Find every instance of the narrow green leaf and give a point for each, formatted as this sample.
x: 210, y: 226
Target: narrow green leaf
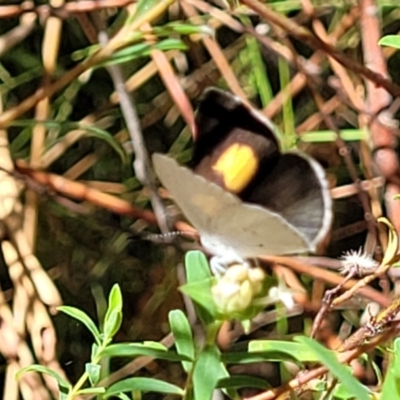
x: 390, y: 40
x: 113, y: 317
x: 243, y: 381
x: 134, y: 350
x: 143, y: 6
x: 63, y: 385
x: 83, y: 318
x: 95, y: 349
x: 288, y: 128
x: 170, y: 44
x: 144, y: 385
x: 391, y: 383
x: 101, y: 134
x: 348, y: 135
x: 115, y: 298
x: 299, y: 351
x: 184, y: 29
x: 258, y: 66
x: 112, y: 323
x: 340, y: 371
x: 129, y: 53
x: 207, y: 371
x: 154, y: 345
x: 139, y: 50
x: 182, y: 332
x: 253, y: 357
x: 21, y: 140
x: 93, y: 371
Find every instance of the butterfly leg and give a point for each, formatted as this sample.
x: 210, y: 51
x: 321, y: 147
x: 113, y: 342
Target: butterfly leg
x: 219, y: 264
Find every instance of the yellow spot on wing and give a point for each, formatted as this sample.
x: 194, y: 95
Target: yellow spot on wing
x: 237, y: 165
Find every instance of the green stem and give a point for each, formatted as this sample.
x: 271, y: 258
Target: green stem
x: 212, y: 332
x: 95, y: 360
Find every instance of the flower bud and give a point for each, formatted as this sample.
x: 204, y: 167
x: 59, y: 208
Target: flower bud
x: 235, y: 291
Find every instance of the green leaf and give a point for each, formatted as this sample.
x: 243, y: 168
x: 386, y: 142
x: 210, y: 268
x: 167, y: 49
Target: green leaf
x: 128, y: 53
x: 63, y: 385
x: 182, y: 332
x: 112, y: 324
x: 340, y: 371
x: 93, y: 371
x: 288, y: 128
x: 258, y: 66
x: 200, y: 293
x: 113, y: 317
x: 154, y: 345
x: 95, y: 349
x: 390, y: 40
x: 144, y: 385
x: 139, y: 50
x: 208, y: 370
x: 250, y: 357
x: 391, y: 383
x: 341, y: 392
x: 243, y: 381
x: 196, y: 265
x: 143, y: 6
x: 348, y: 135
x: 198, y: 287
x: 115, y: 301
x: 93, y: 131
x: 134, y: 350
x: 82, y: 317
x: 299, y: 351
x: 183, y: 29
x: 170, y: 44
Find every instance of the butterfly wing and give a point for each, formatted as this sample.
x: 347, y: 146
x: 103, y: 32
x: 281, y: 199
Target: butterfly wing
x: 196, y: 197
x: 223, y: 220
x: 251, y: 231
x: 297, y: 189
x: 222, y: 116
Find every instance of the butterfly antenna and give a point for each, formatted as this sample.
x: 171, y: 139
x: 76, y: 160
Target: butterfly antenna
x: 165, y: 237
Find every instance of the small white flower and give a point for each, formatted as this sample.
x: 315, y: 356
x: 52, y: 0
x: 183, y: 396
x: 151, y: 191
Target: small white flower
x: 358, y: 262
x: 283, y: 294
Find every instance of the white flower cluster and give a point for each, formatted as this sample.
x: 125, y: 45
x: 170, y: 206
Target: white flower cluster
x: 237, y: 288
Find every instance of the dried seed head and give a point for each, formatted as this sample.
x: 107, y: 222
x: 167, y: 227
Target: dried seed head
x: 358, y: 263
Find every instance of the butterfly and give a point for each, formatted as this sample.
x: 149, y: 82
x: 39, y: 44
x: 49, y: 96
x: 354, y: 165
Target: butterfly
x: 243, y: 195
